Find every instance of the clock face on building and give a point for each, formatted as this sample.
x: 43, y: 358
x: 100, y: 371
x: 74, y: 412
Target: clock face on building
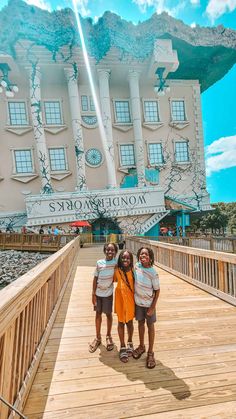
x: 93, y: 157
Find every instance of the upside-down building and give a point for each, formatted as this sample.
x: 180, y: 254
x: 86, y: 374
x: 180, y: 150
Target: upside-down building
x: 120, y: 146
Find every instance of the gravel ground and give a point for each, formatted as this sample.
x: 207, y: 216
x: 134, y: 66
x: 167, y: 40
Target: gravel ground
x: 14, y: 264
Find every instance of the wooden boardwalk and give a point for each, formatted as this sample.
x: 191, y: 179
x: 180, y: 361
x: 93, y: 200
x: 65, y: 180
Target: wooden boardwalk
x: 195, y: 348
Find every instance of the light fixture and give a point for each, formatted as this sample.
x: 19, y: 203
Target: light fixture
x: 161, y: 88
x: 5, y: 84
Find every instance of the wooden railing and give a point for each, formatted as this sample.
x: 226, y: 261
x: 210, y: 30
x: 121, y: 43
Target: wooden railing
x: 215, y: 272
x: 219, y: 244
x: 28, y: 308
x: 34, y: 242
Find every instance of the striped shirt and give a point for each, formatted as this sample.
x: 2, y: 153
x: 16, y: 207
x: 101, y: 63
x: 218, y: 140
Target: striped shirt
x: 146, y: 282
x: 104, y: 272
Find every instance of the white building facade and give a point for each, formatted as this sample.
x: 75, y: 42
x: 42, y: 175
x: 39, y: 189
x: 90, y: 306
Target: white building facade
x: 116, y: 154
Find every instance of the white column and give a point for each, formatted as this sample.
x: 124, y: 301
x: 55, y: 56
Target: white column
x: 73, y: 92
x: 103, y: 77
x: 137, y: 125
x: 39, y: 134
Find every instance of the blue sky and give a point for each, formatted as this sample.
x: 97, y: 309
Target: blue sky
x: 218, y: 102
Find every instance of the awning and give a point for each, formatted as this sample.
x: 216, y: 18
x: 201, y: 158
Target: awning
x: 80, y: 224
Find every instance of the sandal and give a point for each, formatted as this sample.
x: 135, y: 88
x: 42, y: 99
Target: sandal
x: 123, y: 355
x: 110, y: 343
x: 150, y: 361
x: 138, y: 352
x: 94, y: 345
x: 130, y: 348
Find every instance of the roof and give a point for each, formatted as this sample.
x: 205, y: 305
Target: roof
x: 199, y: 49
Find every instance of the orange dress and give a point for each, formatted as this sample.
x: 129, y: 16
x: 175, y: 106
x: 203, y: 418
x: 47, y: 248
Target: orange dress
x: 124, y: 295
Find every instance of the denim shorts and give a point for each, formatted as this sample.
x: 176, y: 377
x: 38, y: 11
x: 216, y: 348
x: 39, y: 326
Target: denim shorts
x: 141, y: 314
x: 104, y: 304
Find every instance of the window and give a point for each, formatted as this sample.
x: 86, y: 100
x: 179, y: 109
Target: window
x: 92, y: 107
x: 23, y: 161
x: 87, y: 104
x: 181, y: 151
x: 122, y: 111
x: 151, y: 113
x: 57, y: 158
x: 17, y: 113
x: 178, y: 110
x: 52, y: 111
x: 127, y: 155
x: 155, y: 153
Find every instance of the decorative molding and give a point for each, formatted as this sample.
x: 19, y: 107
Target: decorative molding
x: 153, y: 126
x: 89, y: 121
x: 178, y: 125
x: 19, y: 130
x: 26, y: 192
x: 123, y: 128
x: 55, y: 130
x: 60, y: 176
x: 24, y: 178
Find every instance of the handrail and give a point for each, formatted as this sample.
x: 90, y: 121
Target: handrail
x: 34, y: 242
x: 12, y: 408
x: 215, y: 272
x: 28, y: 307
x: 220, y: 244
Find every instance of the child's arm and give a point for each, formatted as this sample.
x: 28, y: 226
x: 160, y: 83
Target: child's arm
x: 154, y: 301
x: 94, y: 300
x: 156, y: 291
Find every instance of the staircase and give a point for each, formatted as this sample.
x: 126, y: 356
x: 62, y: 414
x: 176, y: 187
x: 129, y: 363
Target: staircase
x: 153, y: 220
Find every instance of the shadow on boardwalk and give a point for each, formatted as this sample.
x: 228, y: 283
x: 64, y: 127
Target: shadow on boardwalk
x: 135, y: 370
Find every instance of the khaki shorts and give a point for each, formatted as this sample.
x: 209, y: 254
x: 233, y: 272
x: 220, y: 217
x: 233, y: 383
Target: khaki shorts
x: 141, y: 314
x: 104, y: 304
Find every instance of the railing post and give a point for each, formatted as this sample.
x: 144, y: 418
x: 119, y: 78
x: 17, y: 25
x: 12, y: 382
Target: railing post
x: 6, y: 390
x: 221, y: 276
x: 211, y: 243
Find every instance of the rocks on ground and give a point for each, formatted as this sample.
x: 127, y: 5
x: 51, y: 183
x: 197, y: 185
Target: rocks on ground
x: 14, y: 264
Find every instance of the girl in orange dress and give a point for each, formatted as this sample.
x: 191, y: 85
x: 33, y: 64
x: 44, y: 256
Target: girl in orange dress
x: 124, y: 302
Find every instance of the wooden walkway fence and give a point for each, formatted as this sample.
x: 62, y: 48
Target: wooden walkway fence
x: 34, y: 242
x: 219, y: 244
x: 195, y: 344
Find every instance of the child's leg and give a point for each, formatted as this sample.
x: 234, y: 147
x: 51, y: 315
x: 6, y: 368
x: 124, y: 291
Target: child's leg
x: 121, y: 333
x: 109, y: 324
x: 150, y: 362
x: 151, y: 336
x: 130, y: 330
x: 98, y: 323
x: 110, y: 343
x: 141, y: 332
x: 97, y: 341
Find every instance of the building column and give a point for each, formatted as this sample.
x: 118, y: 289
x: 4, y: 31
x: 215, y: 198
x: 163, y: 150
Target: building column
x: 137, y: 125
x: 39, y: 134
x: 73, y: 92
x: 103, y: 77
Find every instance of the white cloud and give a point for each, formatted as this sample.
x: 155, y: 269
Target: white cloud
x: 195, y: 2
x: 160, y: 6
x: 193, y: 25
x: 216, y: 8
x: 40, y: 3
x: 82, y: 6
x: 221, y: 154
